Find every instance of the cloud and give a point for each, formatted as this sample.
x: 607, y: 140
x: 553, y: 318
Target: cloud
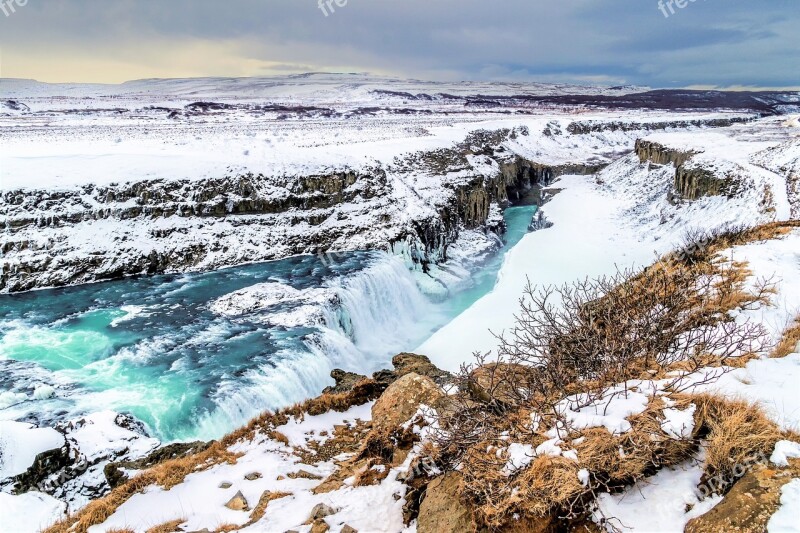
x: 710, y: 42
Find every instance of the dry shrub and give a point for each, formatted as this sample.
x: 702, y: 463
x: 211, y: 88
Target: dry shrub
x: 585, y: 336
x: 735, y: 432
x: 168, y: 527
x: 701, y: 246
x: 582, y: 339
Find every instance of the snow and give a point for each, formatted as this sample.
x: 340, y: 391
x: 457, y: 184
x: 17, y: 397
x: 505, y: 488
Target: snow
x: 785, y: 520
x: 659, y: 503
x: 20, y: 443
x: 98, y: 435
x: 621, y: 218
x: 679, y: 424
x: 785, y: 450
x: 301, y: 432
x: 200, y: 501
x: 30, y: 512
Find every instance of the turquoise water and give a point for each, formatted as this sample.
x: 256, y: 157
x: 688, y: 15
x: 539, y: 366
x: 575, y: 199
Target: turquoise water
x: 153, y: 346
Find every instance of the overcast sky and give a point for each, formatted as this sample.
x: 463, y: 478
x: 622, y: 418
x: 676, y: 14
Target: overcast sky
x: 707, y: 43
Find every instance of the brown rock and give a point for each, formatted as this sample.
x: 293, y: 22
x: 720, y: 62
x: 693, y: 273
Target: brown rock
x: 303, y: 474
x: 320, y: 526
x: 748, y: 506
x: 252, y: 476
x: 442, y: 510
x: 320, y: 511
x: 407, y: 363
x: 238, y: 503
x: 345, y: 381
x: 401, y: 400
x: 348, y: 529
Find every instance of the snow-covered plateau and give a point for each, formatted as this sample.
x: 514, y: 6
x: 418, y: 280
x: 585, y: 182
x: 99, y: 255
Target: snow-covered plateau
x: 256, y: 234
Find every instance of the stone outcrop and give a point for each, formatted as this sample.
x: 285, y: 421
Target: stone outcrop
x: 586, y: 127
x: 442, y: 511
x: 661, y: 155
x: 400, y: 402
x: 692, y: 179
x: 749, y: 505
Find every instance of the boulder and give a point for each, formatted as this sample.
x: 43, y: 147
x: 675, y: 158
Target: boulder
x: 407, y: 363
x: 345, y: 381
x: 320, y: 511
x: 238, y: 503
x: 398, y: 404
x: 442, y: 510
x: 749, y: 505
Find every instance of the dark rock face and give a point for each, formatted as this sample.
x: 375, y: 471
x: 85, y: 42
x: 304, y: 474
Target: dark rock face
x: 44, y: 466
x: 345, y: 381
x: 659, y: 154
x: 692, y: 181
x: 95, y: 233
x: 115, y: 472
x: 582, y: 128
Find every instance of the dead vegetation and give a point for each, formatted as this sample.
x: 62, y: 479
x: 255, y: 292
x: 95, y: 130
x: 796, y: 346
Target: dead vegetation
x: 789, y: 341
x: 173, y: 472
x: 668, y: 321
x: 167, y: 527
x: 735, y: 433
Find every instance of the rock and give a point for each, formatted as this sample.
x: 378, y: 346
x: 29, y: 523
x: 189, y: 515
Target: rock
x: 225, y: 485
x: 348, y: 529
x: 303, y: 474
x: 238, y: 503
x: 320, y: 511
x: 407, y: 363
x: 498, y: 378
x: 749, y: 505
x: 442, y: 510
x: 345, y: 381
x: 384, y: 378
x: 115, y: 472
x: 252, y: 476
x: 398, y: 404
x: 320, y: 526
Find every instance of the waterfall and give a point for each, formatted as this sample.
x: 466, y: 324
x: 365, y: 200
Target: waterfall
x: 376, y: 313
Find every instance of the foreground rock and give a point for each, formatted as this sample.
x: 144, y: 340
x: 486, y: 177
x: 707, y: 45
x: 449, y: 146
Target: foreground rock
x: 750, y: 504
x: 401, y: 401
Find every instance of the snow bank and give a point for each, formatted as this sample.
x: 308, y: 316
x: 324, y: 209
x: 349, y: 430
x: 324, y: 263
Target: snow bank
x: 20, y: 443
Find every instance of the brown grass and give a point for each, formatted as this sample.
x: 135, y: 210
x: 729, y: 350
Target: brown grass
x: 549, y: 486
x: 167, y: 527
x: 734, y: 431
x: 165, y: 475
x: 789, y: 341
x: 701, y: 247
x: 173, y: 472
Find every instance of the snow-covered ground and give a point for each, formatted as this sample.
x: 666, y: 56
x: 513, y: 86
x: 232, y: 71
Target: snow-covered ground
x: 71, y: 138
x: 617, y: 219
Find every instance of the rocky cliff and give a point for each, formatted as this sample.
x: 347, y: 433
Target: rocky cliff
x: 92, y: 233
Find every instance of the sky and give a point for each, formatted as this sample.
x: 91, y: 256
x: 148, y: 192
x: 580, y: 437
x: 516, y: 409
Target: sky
x: 705, y: 43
